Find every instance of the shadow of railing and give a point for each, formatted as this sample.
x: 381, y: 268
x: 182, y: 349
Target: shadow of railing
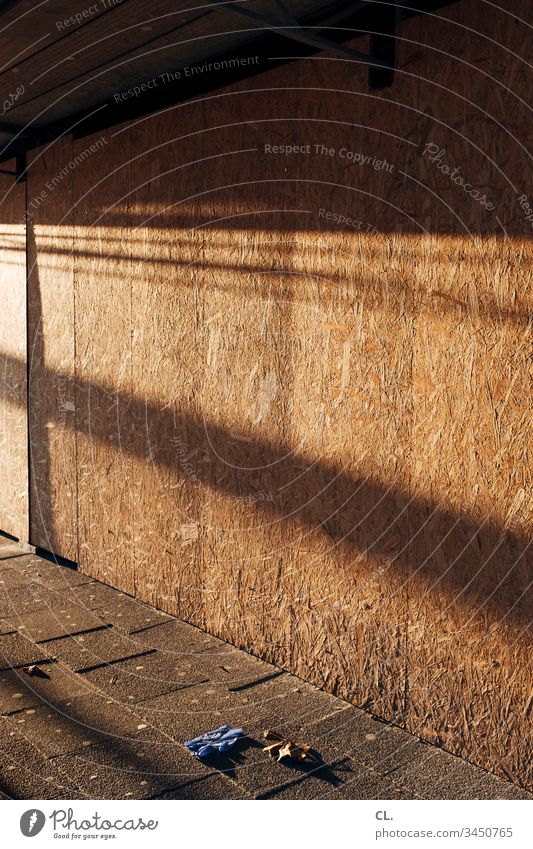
x: 488, y: 563
x: 413, y: 303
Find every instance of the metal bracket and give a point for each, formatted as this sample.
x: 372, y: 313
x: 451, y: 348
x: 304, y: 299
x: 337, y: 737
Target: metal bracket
x: 13, y: 130
x: 20, y: 168
x: 382, y: 46
x: 297, y: 32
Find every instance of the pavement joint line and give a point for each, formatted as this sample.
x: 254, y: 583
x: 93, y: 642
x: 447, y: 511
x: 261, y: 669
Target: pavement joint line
x: 13, y: 556
x: 180, y: 688
x: 89, y: 728
x: 147, y: 627
x: 69, y: 634
x: 199, y: 780
x: 46, y: 661
x: 206, y: 650
x: 256, y: 683
x: 111, y: 662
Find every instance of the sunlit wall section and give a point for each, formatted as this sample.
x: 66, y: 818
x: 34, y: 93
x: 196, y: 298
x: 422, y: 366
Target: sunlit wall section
x: 13, y: 383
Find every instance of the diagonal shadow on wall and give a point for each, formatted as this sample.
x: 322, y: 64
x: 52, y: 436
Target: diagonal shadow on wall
x: 488, y: 564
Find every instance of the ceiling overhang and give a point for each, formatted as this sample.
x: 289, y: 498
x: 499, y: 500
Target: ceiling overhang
x: 71, y: 72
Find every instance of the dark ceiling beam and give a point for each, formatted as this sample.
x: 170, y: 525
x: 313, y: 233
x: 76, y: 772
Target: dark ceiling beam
x: 297, y: 32
x: 6, y: 5
x: 284, y: 13
x: 271, y: 48
x: 101, y: 65
x: 346, y: 10
x: 9, y: 128
x: 55, y: 41
x: 14, y: 130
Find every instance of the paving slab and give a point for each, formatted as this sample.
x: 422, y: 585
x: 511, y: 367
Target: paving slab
x: 17, y: 650
x: 261, y: 776
x: 26, y: 598
x: 143, y: 678
x: 292, y: 700
x: 232, y: 668
x: 51, y: 623
x: 171, y: 669
x: 6, y: 626
x: 94, y: 594
x: 210, y: 788
x: 10, y: 549
x: 185, y: 713
x: 335, y: 772
x: 59, y: 578
x: 409, y: 766
x: 48, y: 573
x: 137, y: 768
x: 26, y: 774
x: 258, y: 774
x: 179, y: 639
x: 436, y: 774
x: 75, y: 724
x: 11, y: 578
x: 351, y: 732
x: 128, y: 615
x: 53, y: 683
x: 94, y: 649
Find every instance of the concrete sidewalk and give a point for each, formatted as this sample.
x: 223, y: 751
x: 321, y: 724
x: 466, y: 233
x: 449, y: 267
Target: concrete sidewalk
x: 118, y: 686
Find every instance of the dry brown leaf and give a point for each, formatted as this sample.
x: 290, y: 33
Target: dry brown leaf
x: 285, y: 751
x: 285, y: 748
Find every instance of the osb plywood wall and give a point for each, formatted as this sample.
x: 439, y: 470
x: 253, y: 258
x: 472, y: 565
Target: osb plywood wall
x: 304, y: 434
x: 13, y: 382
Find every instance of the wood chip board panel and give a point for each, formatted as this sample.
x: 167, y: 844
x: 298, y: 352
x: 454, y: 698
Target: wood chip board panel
x: 309, y: 436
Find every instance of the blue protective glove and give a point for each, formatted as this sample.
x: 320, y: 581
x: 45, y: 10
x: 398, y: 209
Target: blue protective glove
x: 219, y: 740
